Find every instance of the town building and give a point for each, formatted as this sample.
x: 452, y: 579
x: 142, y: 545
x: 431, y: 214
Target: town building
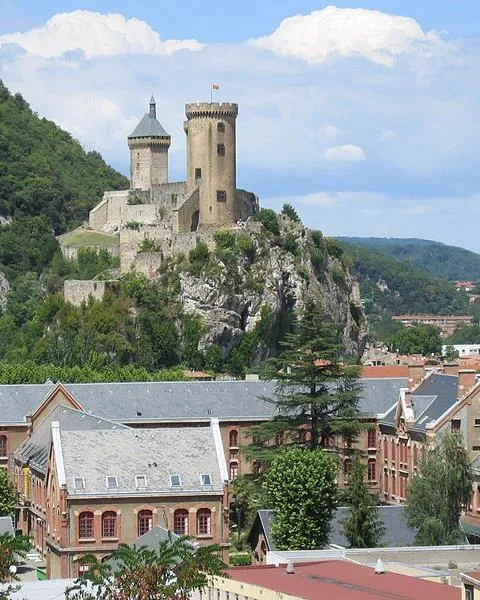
x: 446, y: 324
x: 463, y: 350
x: 471, y: 585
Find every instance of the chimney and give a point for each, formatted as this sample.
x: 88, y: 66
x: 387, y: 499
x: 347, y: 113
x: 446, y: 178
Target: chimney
x: 379, y: 567
x: 466, y: 381
x: 416, y: 373
x: 290, y: 568
x: 450, y: 368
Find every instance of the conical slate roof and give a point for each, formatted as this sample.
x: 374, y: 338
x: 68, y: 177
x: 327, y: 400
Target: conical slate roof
x: 148, y: 127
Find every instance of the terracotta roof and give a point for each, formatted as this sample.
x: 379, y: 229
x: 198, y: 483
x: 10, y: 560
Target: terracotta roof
x: 385, y: 371
x: 343, y: 580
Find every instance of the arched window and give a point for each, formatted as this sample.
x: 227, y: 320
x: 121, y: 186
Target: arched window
x: 234, y: 438
x: 3, y: 445
x: 180, y: 521
x: 347, y: 467
x: 204, y: 521
x: 85, y: 525
x: 145, y: 521
x: 393, y: 451
x: 372, y: 469
x: 233, y: 469
x: 109, y: 524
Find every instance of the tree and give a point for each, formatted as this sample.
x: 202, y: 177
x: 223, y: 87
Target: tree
x: 421, y: 339
x: 174, y: 570
x: 12, y: 548
x: 8, y: 497
x: 316, y: 394
x: 290, y: 212
x: 451, y: 354
x: 439, y: 492
x: 362, y: 526
x: 301, y: 487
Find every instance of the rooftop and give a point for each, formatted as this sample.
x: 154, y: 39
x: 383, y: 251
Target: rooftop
x: 341, y: 579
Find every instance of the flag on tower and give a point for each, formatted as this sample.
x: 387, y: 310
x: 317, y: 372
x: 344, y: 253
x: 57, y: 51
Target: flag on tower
x: 215, y: 86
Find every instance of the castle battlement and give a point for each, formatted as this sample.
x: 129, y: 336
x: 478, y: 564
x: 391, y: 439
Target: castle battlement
x: 211, y: 109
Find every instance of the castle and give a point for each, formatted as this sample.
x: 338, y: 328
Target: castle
x: 173, y: 215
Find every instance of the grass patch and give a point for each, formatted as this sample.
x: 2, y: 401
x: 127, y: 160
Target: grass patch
x: 80, y: 238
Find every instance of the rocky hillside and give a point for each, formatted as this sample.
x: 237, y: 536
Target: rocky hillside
x: 246, y: 286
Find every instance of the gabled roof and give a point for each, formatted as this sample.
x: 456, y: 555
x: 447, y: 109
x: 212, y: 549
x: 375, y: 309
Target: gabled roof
x: 153, y: 454
x: 35, y: 450
x: 397, y: 533
x: 17, y: 401
x: 148, y: 127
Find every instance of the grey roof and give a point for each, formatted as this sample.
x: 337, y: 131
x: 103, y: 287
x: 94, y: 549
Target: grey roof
x: 16, y: 401
x: 36, y: 448
x: 47, y: 589
x: 444, y: 388
x: 420, y: 404
x: 153, y: 538
x: 154, y: 453
x: 397, y: 533
x: 6, y: 525
x: 197, y: 400
x: 148, y: 127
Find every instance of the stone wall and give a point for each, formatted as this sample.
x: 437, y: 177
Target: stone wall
x: 76, y: 291
x: 184, y: 216
x: 106, y: 216
x: 71, y: 252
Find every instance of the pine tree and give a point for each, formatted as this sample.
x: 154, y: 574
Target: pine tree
x: 362, y: 526
x: 8, y: 497
x: 316, y: 393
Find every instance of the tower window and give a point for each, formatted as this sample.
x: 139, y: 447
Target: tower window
x: 221, y: 196
x: 198, y: 174
x: 221, y: 127
x: 221, y: 149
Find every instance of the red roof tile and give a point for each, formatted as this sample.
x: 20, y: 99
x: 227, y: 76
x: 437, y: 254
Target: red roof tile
x: 385, y: 371
x: 342, y: 580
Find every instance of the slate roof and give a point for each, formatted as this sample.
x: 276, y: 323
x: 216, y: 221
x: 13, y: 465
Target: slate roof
x: 153, y: 538
x: 154, y: 453
x: 36, y: 448
x: 6, y: 525
x: 397, y: 533
x: 148, y: 127
x: 16, y: 401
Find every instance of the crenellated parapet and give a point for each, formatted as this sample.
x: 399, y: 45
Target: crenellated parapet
x: 211, y: 110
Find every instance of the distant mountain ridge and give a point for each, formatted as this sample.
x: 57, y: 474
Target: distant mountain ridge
x: 440, y: 260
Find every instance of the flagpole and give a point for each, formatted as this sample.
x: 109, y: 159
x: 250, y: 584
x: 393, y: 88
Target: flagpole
x: 211, y: 93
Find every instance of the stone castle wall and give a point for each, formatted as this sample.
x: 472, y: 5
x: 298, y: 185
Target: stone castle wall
x: 148, y: 162
x: 76, y: 291
x: 185, y: 217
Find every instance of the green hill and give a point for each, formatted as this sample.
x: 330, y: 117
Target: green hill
x: 440, y: 260
x: 48, y: 184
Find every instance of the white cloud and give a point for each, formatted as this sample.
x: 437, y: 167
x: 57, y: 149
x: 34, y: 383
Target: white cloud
x: 348, y: 152
x: 329, y: 132
x: 95, y: 34
x: 333, y: 31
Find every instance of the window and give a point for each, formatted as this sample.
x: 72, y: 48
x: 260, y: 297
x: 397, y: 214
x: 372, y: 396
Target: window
x: 220, y: 149
x: 206, y: 479
x: 180, y: 521
x: 347, y: 467
x: 372, y: 438
x: 204, y: 519
x: 477, y: 422
x: 78, y: 484
x: 221, y: 127
x: 85, y: 525
x: 385, y: 449
x: 175, y: 480
x: 140, y: 481
x: 221, y: 196
x: 455, y: 424
x: 233, y: 469
x: 233, y: 439
x: 415, y: 456
x: 112, y: 483
x: 198, y: 174
x: 3, y: 445
x: 393, y: 451
x: 469, y: 595
x: 372, y: 470
x: 145, y: 521
x: 476, y: 448
x: 109, y: 524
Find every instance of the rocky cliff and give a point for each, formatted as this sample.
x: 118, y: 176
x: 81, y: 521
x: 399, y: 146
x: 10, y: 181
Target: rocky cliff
x: 246, y: 285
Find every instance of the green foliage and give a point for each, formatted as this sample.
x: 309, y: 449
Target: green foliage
x: 451, y: 354
x: 240, y: 560
x: 362, y: 526
x: 90, y: 263
x: 241, y: 356
x: 191, y: 332
x: 198, y: 258
x: 316, y: 395
x: 440, y: 260
x: 338, y: 275
x: 334, y: 248
x: 290, y: 243
x: 147, y: 245
x: 245, y: 245
x: 12, y: 549
x: 439, y: 492
x: 24, y: 297
x: 224, y: 239
x: 268, y: 218
x: 8, y: 497
x: 213, y: 359
x: 174, y: 570
x: 301, y: 487
x: 421, y: 339
x: 247, y: 497
x: 291, y: 213
x: 135, y: 225
x: 409, y: 289
x: 45, y: 171
x: 317, y: 238
x: 465, y: 334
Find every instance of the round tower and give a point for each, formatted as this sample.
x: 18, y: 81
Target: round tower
x: 149, y: 144
x: 211, y: 160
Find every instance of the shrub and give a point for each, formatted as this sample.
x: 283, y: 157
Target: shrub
x: 224, y: 239
x: 133, y: 225
x: 338, y: 275
x: 147, y: 245
x: 290, y: 212
x: 240, y: 560
x: 244, y: 244
x: 334, y: 248
x: 198, y: 258
x: 317, y: 238
x: 290, y: 243
x: 268, y: 218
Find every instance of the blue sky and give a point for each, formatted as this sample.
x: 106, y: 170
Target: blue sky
x: 364, y: 115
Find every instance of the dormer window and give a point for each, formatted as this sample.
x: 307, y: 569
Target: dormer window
x: 141, y: 482
x: 175, y: 480
x: 79, y: 484
x: 112, y: 482
x: 206, y: 479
